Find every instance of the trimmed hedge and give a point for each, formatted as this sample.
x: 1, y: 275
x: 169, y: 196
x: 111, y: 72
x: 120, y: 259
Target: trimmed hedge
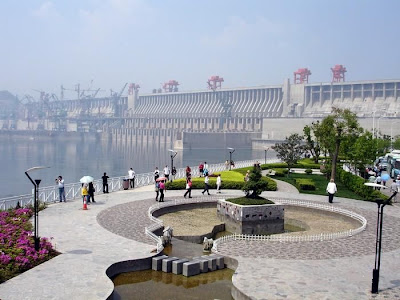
x: 305, y: 184
x: 356, y: 184
x: 198, y: 183
x: 284, y: 165
x: 308, y: 171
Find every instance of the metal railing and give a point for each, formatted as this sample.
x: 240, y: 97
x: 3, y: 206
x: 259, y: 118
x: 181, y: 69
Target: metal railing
x: 50, y: 194
x: 286, y: 237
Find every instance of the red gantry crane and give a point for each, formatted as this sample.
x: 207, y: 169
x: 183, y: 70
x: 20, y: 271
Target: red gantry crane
x: 171, y: 86
x: 338, y: 73
x: 215, y: 82
x: 301, y: 75
x: 133, y: 87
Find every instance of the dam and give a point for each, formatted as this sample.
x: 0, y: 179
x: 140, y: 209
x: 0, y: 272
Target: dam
x: 225, y: 117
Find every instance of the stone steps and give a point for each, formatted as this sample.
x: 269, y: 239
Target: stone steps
x: 200, y: 264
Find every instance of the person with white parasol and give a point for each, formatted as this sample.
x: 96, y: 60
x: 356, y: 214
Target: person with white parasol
x: 85, y: 180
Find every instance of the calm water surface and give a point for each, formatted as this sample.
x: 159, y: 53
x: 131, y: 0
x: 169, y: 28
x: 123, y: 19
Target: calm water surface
x: 74, y: 157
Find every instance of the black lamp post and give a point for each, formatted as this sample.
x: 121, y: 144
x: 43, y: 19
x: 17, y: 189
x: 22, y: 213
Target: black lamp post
x: 265, y: 152
x: 173, y: 154
x: 378, y: 244
x: 231, y: 150
x: 35, y: 183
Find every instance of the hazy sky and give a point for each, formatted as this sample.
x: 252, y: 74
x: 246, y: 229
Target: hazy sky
x: 48, y: 43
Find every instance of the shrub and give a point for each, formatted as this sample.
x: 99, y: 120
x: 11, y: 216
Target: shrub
x: 305, y: 184
x: 308, y: 171
x: 250, y: 201
x: 356, y: 184
x: 279, y: 172
x: 255, y: 185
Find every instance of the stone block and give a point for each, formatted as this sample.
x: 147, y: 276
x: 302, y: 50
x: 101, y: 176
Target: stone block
x: 212, y: 262
x: 177, y: 266
x: 191, y: 268
x: 167, y: 264
x: 203, y: 264
x: 156, y: 263
x: 220, y: 261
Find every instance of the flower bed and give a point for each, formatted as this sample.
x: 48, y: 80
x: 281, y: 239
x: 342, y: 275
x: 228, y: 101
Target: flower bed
x: 17, y: 250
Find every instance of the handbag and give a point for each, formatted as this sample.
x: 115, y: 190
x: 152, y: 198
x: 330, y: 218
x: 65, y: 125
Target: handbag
x: 187, y: 186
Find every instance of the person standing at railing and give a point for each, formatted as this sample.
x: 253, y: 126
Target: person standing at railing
x: 91, y: 191
x: 105, y: 183
x: 166, y: 172
x: 61, y: 188
x: 156, y: 173
x: 85, y: 192
x: 131, y: 177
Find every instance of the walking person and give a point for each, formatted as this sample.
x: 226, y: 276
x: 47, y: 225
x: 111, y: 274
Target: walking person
x: 219, y: 181
x: 157, y: 189
x: 206, y: 186
x: 91, y: 191
x: 131, y: 177
x: 166, y: 172
x: 331, y: 189
x: 105, y: 183
x: 162, y: 190
x: 188, y: 188
x: 188, y: 172
x: 61, y: 188
x: 227, y: 165
x: 201, y: 167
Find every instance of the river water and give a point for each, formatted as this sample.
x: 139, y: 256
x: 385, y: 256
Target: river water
x: 73, y: 158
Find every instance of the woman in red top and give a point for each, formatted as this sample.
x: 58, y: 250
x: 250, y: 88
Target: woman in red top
x: 188, y: 188
x: 188, y: 171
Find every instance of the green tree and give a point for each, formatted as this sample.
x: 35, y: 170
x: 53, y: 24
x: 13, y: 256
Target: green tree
x: 312, y: 143
x: 363, y: 151
x: 340, y: 127
x: 291, y: 150
x: 255, y: 185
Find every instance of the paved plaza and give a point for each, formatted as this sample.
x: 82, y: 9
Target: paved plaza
x: 112, y: 230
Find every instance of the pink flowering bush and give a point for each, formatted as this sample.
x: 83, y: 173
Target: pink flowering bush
x: 17, y: 248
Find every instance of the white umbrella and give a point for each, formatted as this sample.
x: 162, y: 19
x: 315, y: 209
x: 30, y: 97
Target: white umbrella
x: 86, y: 179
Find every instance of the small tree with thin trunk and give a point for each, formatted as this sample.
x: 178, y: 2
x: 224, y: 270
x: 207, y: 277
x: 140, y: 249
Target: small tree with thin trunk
x: 291, y: 150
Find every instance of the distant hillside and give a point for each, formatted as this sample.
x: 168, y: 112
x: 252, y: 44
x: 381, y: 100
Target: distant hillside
x: 7, y: 96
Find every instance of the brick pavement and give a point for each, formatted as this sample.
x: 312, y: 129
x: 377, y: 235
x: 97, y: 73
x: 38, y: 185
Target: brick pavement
x: 113, y: 230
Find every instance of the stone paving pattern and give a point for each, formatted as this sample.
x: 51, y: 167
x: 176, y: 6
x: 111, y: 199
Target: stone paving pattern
x: 112, y: 230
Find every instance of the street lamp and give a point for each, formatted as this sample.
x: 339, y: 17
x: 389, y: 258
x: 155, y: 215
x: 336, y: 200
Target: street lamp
x: 265, y: 151
x: 173, y: 154
x: 378, y: 244
x: 35, y: 183
x: 231, y: 150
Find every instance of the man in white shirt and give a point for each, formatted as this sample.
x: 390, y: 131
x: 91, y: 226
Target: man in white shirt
x: 166, y: 172
x: 206, y: 186
x: 61, y: 190
x: 331, y: 189
x: 131, y: 177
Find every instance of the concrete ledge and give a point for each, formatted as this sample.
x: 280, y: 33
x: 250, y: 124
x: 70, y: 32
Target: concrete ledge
x: 198, y: 239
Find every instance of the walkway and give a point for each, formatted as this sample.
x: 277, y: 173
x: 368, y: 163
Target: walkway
x: 112, y: 230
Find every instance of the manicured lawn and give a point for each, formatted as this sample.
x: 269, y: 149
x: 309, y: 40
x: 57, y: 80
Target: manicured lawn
x: 320, y: 183
x: 250, y: 201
